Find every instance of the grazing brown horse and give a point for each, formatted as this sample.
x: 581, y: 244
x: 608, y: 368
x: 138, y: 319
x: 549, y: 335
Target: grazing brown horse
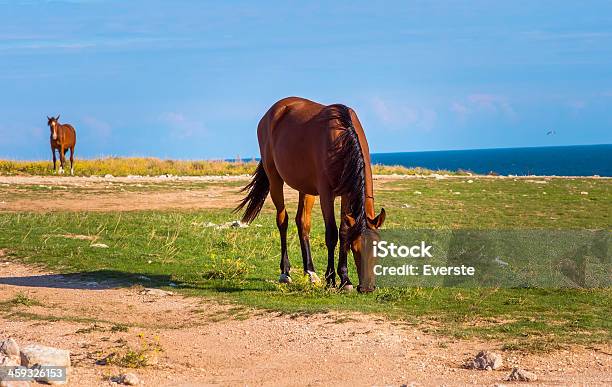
x: 317, y: 150
x: 63, y: 137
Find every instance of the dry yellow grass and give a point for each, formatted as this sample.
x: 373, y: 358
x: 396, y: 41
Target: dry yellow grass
x: 123, y: 166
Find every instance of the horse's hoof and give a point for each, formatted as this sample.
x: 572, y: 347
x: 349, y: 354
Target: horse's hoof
x: 284, y: 279
x: 347, y: 288
x: 365, y: 289
x: 314, y: 278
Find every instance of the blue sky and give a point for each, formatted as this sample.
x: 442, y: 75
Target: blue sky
x: 190, y: 79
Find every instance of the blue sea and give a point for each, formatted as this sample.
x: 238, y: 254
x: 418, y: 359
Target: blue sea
x: 576, y: 160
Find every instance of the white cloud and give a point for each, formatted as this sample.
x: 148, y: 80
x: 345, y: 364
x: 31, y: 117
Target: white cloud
x: 182, y: 126
x: 400, y: 115
x: 100, y: 129
x: 483, y: 103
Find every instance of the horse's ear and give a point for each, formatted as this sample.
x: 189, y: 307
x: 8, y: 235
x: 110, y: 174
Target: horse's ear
x: 380, y: 219
x: 48, y: 118
x: 57, y: 119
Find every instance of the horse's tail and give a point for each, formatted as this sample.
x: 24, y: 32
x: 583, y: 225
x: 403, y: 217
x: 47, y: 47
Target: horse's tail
x: 258, y: 190
x: 348, y: 165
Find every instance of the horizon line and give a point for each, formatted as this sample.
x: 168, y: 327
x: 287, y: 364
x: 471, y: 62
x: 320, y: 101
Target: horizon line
x: 246, y: 159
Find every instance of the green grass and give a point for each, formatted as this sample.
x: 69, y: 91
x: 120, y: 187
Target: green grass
x: 20, y: 299
x: 124, y: 166
x: 241, y: 265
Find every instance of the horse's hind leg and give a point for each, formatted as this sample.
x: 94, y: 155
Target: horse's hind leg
x: 302, y: 220
x: 72, y: 160
x: 282, y: 221
x: 62, y: 155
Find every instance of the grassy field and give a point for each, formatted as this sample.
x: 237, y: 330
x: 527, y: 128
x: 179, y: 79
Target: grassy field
x: 123, y: 166
x: 241, y: 264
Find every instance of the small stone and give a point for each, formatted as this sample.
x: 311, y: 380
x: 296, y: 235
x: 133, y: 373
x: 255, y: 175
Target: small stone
x: 519, y: 374
x: 584, y: 193
x: 99, y: 245
x: 130, y: 379
x: 108, y: 176
x: 156, y: 292
x: 10, y: 349
x: 484, y: 360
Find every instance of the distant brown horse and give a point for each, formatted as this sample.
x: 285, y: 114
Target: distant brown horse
x: 317, y: 150
x: 63, y: 137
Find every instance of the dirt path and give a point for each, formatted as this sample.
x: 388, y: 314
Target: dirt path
x: 201, y: 342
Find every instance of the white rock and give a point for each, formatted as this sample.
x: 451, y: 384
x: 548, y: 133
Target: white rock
x: 99, y: 245
x: 130, y: 379
x: 584, y: 193
x: 521, y: 375
x: 9, y: 361
x: 108, y: 176
x: 34, y: 354
x: 21, y: 383
x: 484, y: 360
x: 232, y: 224
x: 156, y: 292
x: 10, y: 349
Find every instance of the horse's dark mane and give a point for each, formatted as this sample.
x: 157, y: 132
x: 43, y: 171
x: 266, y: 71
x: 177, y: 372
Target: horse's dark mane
x: 348, y: 166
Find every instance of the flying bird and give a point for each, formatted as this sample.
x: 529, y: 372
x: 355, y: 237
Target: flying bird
x: 551, y: 132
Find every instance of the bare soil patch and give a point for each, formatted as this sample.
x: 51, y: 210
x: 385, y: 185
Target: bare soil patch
x: 109, y: 194
x: 192, y: 341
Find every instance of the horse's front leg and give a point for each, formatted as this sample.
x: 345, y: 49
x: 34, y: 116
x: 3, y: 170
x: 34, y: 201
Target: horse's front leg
x: 345, y: 282
x: 54, y: 159
x: 331, y: 235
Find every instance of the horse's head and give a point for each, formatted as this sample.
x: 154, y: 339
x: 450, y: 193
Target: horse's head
x: 363, y: 252
x: 53, y: 123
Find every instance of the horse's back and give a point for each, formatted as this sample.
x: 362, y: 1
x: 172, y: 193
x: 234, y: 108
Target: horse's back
x: 294, y: 139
